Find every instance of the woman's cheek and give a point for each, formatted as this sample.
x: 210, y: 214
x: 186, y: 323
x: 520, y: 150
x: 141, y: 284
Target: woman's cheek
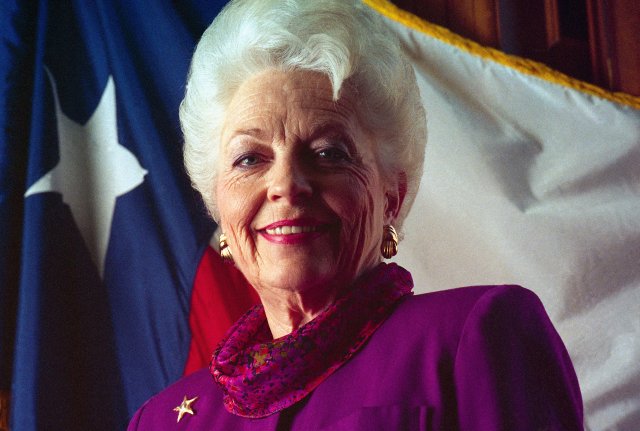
x: 241, y: 214
x: 237, y: 206
x: 357, y: 211
x: 371, y: 217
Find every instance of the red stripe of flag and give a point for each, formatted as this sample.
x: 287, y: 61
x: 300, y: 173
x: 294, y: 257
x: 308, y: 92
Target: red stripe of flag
x: 220, y: 296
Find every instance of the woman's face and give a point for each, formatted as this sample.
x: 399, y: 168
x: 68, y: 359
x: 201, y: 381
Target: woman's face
x: 299, y: 192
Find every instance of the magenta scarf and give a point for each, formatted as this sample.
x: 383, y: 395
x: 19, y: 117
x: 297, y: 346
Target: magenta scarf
x: 261, y: 376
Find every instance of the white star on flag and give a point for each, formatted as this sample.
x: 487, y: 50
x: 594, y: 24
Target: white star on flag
x: 94, y: 169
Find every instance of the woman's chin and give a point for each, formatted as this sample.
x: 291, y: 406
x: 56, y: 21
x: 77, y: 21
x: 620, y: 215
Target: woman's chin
x: 303, y: 257
x: 298, y: 275
x: 304, y: 266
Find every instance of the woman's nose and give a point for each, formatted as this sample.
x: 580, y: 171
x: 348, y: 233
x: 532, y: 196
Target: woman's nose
x: 289, y: 181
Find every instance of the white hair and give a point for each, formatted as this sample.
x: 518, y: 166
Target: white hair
x: 342, y: 39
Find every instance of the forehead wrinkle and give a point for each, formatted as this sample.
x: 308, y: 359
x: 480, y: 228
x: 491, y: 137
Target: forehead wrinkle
x: 251, y: 116
x: 254, y: 106
x: 295, y: 109
x: 331, y: 109
x: 343, y: 109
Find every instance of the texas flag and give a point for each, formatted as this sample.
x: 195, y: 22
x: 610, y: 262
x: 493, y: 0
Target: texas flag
x: 109, y: 290
x: 101, y: 233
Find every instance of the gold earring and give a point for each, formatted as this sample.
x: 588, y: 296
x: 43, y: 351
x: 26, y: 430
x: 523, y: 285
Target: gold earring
x: 389, y: 246
x: 225, y: 251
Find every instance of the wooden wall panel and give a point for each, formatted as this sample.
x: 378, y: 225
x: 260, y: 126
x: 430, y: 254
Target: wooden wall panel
x: 593, y: 40
x: 615, y: 44
x: 474, y: 19
x: 626, y: 19
x: 434, y: 11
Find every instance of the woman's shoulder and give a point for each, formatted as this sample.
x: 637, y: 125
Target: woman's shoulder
x: 417, y: 353
x: 444, y: 318
x: 192, y: 395
x: 459, y: 303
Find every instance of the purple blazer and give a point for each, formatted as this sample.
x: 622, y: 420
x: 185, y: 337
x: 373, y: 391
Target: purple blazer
x: 475, y: 358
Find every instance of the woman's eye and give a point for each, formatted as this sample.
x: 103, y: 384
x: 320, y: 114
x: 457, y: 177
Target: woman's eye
x: 247, y: 160
x: 332, y: 155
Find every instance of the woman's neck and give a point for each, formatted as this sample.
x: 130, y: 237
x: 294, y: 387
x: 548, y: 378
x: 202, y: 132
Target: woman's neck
x: 286, y: 311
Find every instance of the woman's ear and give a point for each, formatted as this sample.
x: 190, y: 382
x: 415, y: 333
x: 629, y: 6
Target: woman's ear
x: 394, y: 197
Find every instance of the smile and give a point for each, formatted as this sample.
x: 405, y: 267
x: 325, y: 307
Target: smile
x: 290, y: 230
x: 294, y: 231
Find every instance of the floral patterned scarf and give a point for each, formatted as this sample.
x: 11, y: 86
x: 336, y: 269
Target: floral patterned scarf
x: 261, y: 376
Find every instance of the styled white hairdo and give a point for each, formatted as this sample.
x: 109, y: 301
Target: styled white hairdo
x: 342, y: 39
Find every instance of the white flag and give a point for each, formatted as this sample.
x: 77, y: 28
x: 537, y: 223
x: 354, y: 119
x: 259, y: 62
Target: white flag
x: 532, y: 178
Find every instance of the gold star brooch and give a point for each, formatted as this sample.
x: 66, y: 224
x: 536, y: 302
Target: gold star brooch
x: 185, y: 407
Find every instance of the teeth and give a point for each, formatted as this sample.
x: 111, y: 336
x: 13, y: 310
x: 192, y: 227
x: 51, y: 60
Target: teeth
x: 288, y: 230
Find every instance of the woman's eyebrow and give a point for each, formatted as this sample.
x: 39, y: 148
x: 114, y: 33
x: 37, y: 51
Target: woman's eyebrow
x: 333, y: 129
x: 321, y: 129
x: 240, y: 138
x: 254, y: 132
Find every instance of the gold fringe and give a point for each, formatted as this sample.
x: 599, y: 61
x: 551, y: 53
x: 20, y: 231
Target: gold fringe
x: 526, y: 66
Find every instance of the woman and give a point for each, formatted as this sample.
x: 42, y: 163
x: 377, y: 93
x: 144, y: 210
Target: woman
x: 305, y: 136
